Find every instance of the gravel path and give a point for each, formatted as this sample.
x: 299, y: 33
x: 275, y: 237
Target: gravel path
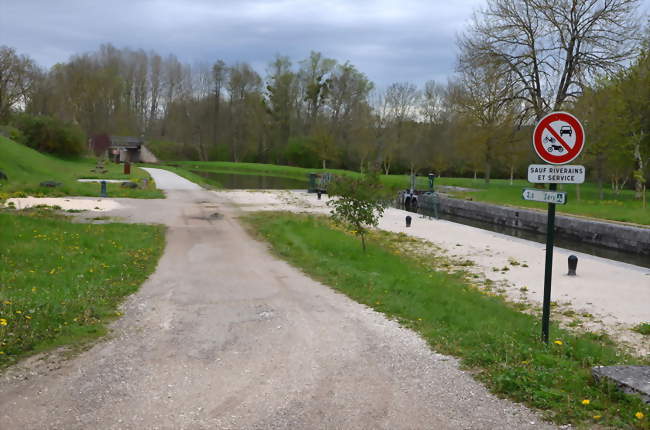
x: 225, y: 336
x: 166, y: 180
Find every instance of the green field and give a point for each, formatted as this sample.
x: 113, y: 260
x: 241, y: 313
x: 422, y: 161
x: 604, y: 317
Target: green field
x: 458, y: 316
x: 60, y: 282
x: 27, y: 168
x: 615, y: 207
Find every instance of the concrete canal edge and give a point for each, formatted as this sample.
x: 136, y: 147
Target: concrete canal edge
x: 612, y: 235
x: 629, y: 379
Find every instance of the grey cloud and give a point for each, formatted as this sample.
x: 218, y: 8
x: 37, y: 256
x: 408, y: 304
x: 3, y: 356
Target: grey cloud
x: 388, y: 40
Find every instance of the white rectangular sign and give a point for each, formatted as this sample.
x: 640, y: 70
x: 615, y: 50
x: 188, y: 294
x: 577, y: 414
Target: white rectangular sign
x: 557, y: 197
x: 549, y: 174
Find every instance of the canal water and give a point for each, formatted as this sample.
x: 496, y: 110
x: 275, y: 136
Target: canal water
x: 562, y: 242
x: 240, y: 181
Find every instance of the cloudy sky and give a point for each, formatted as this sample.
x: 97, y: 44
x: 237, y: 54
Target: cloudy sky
x: 389, y: 40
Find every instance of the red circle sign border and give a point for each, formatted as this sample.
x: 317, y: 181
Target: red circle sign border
x: 570, y: 155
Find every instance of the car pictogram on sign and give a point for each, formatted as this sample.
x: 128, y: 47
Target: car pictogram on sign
x: 565, y: 129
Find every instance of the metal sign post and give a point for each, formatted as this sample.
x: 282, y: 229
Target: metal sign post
x: 548, y: 268
x: 558, y: 139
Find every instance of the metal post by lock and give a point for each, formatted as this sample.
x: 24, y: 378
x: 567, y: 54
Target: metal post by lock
x: 408, y: 220
x: 103, y: 192
x: 573, y: 265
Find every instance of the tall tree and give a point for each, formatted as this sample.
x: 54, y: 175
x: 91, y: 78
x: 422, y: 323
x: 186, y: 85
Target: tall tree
x: 244, y: 88
x: 552, y: 47
x: 484, y: 95
x: 281, y: 93
x: 17, y: 76
x: 314, y: 77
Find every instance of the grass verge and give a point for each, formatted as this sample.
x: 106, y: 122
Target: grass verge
x: 27, y: 168
x: 614, y: 206
x: 60, y: 282
x: 490, y: 336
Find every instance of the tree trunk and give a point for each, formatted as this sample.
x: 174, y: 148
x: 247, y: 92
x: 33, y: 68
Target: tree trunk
x: 639, y: 168
x: 512, y: 174
x: 324, y: 164
x: 488, y: 169
x: 363, y: 242
x: 488, y: 160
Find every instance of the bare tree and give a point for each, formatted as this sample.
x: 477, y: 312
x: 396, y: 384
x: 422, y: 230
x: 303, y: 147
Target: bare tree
x: 553, y: 47
x: 484, y: 96
x: 402, y: 100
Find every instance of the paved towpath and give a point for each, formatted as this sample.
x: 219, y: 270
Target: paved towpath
x: 225, y: 336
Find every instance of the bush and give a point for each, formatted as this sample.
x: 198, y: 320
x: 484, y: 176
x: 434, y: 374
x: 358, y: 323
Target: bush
x: 46, y: 134
x: 12, y: 133
x: 167, y: 150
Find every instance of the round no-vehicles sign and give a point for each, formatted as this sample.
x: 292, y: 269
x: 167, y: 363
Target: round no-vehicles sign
x: 558, y: 138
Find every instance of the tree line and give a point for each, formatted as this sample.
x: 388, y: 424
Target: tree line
x: 517, y: 61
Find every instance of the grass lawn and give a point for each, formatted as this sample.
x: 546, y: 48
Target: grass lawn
x: 60, y: 282
x: 500, y: 344
x: 27, y: 168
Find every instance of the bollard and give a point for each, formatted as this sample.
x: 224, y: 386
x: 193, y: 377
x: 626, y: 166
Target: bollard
x: 103, y: 191
x: 408, y: 220
x: 319, y: 193
x: 431, y: 178
x: 573, y: 265
x: 127, y: 168
x: 312, y: 182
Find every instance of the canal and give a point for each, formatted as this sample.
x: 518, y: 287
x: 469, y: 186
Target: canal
x: 242, y: 181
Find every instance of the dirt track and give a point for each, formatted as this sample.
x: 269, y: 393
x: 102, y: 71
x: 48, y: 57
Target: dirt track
x: 226, y: 336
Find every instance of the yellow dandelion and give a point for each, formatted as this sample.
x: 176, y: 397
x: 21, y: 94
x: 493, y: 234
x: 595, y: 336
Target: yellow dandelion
x: 52, y: 271
x: 639, y: 415
x: 6, y: 302
x: 29, y: 317
x: 558, y: 342
x: 2, y: 352
x: 586, y: 402
x: 597, y: 417
x: 33, y: 289
x: 3, y: 321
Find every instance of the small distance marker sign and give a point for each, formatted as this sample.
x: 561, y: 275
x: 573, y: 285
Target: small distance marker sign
x: 557, y: 197
x: 558, y: 138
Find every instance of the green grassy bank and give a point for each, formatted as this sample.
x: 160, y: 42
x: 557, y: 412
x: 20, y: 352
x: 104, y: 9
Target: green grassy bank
x: 60, y: 282
x: 27, y: 168
x: 500, y: 344
x: 615, y: 207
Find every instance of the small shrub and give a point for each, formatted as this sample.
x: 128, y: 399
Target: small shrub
x: 643, y: 328
x: 357, y: 203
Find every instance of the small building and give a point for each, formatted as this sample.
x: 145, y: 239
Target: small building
x: 121, y: 149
